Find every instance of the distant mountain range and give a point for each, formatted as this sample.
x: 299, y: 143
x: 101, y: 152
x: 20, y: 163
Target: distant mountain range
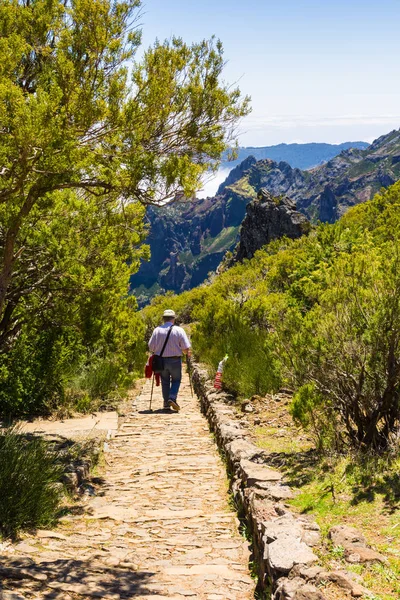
x: 300, y: 156
x: 189, y: 239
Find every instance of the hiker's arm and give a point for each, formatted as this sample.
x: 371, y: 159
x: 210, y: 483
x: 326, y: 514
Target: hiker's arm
x: 185, y: 344
x: 151, y: 343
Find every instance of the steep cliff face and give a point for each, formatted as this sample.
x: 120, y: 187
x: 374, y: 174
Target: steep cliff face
x: 269, y: 218
x: 189, y: 239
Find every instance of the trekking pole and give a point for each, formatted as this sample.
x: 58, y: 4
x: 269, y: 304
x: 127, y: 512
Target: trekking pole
x: 152, y: 387
x: 190, y: 376
x: 191, y: 387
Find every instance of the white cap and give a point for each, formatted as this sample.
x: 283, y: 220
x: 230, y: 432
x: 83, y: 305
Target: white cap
x: 169, y: 313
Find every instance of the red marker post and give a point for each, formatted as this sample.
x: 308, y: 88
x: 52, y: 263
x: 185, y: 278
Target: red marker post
x: 218, y: 375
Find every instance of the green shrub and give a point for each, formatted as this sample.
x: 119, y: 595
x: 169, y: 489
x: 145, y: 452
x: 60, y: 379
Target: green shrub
x: 320, y: 314
x: 251, y: 367
x: 30, y: 494
x: 100, y: 380
x: 50, y: 368
x: 348, y: 347
x: 34, y: 372
x: 310, y: 409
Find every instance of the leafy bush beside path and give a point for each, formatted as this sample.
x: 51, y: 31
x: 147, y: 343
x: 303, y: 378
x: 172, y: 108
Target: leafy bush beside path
x: 320, y: 314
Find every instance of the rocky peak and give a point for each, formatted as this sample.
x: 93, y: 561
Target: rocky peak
x: 269, y: 218
x: 386, y: 142
x: 237, y: 173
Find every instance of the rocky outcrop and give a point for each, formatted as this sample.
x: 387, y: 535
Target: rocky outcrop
x: 269, y: 218
x: 354, y: 545
x: 297, y: 589
x: 343, y: 535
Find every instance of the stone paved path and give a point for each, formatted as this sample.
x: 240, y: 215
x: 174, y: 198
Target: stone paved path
x: 162, y: 529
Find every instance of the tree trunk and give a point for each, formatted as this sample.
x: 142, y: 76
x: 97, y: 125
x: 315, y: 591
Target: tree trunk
x: 9, y: 248
x: 7, y: 266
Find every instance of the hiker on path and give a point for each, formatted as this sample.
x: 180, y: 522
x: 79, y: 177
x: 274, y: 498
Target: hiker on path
x: 177, y: 344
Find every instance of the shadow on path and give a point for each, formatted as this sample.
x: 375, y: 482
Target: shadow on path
x: 157, y: 411
x: 90, y: 578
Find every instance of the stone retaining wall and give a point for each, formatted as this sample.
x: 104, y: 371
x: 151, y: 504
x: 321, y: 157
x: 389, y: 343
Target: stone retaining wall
x: 77, y: 459
x: 282, y: 542
x: 76, y: 473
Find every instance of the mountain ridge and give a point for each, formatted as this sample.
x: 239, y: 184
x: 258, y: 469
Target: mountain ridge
x: 302, y: 156
x: 189, y: 239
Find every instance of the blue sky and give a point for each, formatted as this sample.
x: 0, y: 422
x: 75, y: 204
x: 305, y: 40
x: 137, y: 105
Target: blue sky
x: 316, y: 70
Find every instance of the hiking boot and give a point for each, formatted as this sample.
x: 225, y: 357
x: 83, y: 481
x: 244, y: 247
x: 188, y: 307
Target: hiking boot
x: 174, y: 405
x: 166, y: 406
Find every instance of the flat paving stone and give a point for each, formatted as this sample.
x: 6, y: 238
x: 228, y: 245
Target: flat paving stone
x: 91, y: 425
x: 160, y: 526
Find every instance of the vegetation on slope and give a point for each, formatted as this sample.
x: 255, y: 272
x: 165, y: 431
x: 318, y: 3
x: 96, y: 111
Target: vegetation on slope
x: 320, y: 314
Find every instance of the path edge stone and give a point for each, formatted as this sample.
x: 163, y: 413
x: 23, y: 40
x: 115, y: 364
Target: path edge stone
x: 282, y: 542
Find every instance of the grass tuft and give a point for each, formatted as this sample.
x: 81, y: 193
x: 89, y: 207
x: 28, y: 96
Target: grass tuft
x: 30, y: 492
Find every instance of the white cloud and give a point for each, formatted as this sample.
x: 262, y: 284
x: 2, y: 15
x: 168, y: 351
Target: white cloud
x: 212, y: 183
x: 268, y: 130
x: 289, y: 121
